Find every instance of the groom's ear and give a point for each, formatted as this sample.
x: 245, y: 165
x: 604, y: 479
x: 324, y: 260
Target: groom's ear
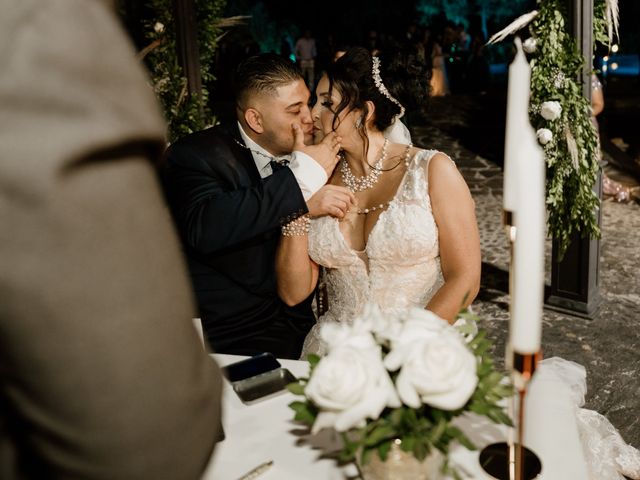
x: 254, y: 120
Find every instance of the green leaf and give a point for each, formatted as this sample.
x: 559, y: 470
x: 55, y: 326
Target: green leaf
x: 346, y: 456
x: 409, y: 416
x: 296, y: 388
x: 396, y: 417
x: 313, y: 359
x: 456, y: 433
x: 365, y: 455
x: 438, y: 431
x: 381, y: 432
x: 420, y: 449
x: 305, y: 413
x: 479, y: 408
x: 383, y: 449
x: 499, y: 416
x: 408, y: 443
x: 349, y: 444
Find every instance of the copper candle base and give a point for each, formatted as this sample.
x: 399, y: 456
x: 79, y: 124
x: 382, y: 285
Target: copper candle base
x: 511, y: 460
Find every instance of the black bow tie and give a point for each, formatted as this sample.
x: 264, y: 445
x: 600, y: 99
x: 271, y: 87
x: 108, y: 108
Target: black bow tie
x: 278, y: 164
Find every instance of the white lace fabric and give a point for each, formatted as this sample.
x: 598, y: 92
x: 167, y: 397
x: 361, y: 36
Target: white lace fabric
x: 607, y: 455
x: 400, y: 266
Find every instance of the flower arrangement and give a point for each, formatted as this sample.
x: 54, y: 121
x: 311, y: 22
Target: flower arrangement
x: 403, y: 377
x: 561, y: 114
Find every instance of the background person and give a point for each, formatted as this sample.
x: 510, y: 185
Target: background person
x: 306, y: 53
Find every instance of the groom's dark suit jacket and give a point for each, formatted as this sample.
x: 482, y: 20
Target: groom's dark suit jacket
x: 229, y: 220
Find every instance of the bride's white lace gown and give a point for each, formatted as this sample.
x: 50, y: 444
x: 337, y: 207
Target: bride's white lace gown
x: 400, y: 265
x: 400, y: 268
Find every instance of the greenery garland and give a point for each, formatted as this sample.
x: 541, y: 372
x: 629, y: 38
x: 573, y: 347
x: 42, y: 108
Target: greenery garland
x: 561, y: 116
x: 184, y: 113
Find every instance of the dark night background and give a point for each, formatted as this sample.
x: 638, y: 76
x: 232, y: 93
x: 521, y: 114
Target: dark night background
x: 274, y: 25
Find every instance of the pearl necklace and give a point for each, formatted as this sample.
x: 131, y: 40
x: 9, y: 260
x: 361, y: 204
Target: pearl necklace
x: 364, y: 211
x: 358, y: 184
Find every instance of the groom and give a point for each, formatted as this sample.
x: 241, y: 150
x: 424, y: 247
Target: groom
x: 230, y: 189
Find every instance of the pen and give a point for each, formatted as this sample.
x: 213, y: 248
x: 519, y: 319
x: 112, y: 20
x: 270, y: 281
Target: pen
x: 259, y: 470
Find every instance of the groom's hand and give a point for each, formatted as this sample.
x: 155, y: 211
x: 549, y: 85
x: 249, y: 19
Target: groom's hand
x: 331, y: 200
x: 325, y: 152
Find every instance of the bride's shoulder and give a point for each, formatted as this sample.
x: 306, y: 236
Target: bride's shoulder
x: 425, y: 158
x: 435, y: 165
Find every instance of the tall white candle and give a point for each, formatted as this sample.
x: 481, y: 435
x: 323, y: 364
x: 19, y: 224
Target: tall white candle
x: 528, y: 268
x: 517, y: 119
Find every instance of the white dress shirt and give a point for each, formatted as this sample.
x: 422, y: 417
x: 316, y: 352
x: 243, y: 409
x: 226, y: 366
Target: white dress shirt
x: 309, y: 174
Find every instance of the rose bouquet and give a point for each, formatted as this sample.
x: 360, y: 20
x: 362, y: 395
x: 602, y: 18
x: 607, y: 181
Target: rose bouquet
x: 400, y: 379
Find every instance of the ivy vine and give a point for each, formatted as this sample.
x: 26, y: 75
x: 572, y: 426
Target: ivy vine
x: 184, y: 113
x: 570, y: 141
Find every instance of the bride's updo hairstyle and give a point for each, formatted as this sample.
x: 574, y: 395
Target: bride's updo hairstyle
x: 398, y: 83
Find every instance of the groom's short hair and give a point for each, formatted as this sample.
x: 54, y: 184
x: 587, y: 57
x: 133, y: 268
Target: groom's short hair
x: 263, y: 73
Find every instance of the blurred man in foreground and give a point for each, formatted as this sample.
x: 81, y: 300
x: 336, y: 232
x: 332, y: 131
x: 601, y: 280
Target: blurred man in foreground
x: 103, y: 375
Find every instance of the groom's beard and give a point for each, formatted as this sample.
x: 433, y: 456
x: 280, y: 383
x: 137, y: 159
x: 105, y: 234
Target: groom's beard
x: 281, y: 143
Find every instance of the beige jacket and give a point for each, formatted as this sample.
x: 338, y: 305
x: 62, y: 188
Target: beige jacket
x: 101, y: 372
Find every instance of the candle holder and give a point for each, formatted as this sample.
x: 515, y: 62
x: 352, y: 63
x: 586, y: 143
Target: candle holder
x: 511, y: 460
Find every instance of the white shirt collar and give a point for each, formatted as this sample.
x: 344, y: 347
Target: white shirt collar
x: 261, y: 161
x: 262, y: 158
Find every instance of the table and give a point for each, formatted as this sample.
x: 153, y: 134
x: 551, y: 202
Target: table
x: 265, y: 431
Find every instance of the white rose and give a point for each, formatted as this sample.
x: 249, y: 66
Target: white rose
x: 417, y: 323
x: 544, y: 136
x: 530, y: 45
x: 550, y: 110
x: 385, y: 326
x: 437, y: 370
x: 350, y: 385
x: 158, y: 27
x: 357, y: 335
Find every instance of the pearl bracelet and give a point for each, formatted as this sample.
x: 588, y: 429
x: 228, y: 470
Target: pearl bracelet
x: 298, y: 227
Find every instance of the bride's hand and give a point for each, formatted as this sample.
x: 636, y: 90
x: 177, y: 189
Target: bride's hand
x: 325, y: 152
x: 331, y: 200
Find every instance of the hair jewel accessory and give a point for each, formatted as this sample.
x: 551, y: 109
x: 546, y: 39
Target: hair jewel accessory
x: 377, y: 80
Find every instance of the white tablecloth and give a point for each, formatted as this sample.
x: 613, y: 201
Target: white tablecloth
x: 265, y: 431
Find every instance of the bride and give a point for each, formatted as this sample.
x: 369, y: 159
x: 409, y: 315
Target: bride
x: 406, y: 235
x: 404, y: 231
